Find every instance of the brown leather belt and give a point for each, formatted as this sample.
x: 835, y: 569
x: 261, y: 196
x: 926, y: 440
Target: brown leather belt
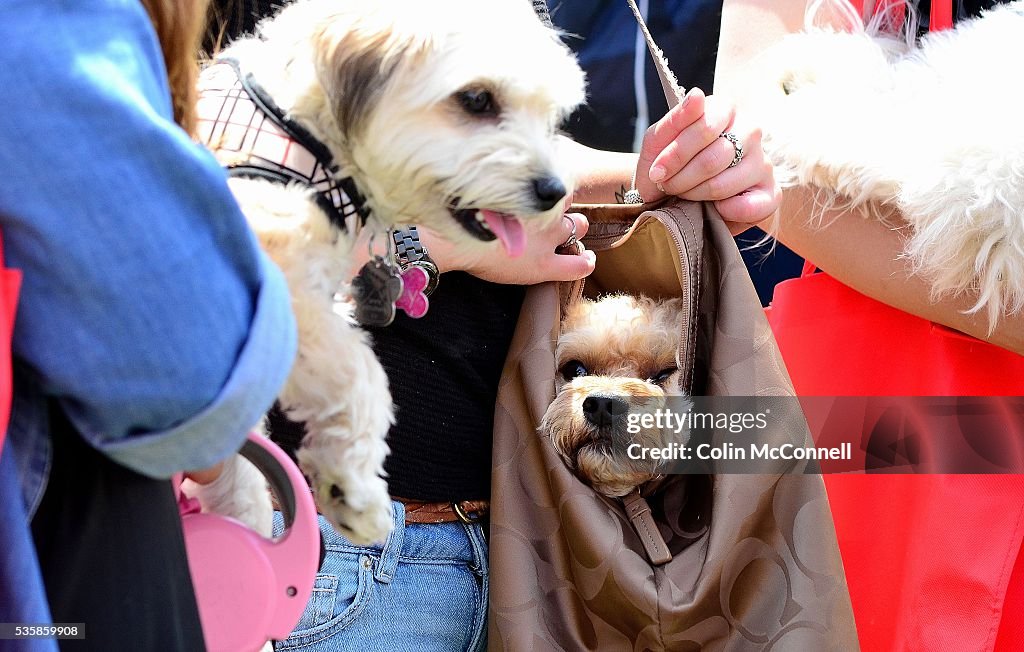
x: 416, y: 511
x: 466, y: 511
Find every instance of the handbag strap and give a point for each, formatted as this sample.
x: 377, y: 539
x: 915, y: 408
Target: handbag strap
x: 639, y: 513
x: 673, y: 91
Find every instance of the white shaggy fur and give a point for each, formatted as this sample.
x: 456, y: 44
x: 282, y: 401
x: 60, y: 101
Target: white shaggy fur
x: 378, y: 83
x: 932, y: 128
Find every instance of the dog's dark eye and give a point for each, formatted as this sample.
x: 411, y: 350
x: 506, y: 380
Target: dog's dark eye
x: 478, y: 102
x: 573, y: 369
x: 662, y: 376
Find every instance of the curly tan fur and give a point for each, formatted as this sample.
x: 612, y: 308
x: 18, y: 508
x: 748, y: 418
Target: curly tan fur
x: 624, y: 342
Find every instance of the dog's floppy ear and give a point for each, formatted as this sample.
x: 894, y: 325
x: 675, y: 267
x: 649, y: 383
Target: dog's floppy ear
x: 355, y: 60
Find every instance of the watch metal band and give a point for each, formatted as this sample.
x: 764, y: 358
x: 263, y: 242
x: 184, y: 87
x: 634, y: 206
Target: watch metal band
x: 408, y: 247
x: 410, y: 252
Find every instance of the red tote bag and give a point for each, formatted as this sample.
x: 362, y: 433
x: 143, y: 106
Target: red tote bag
x: 839, y: 342
x: 10, y: 284
x: 933, y: 562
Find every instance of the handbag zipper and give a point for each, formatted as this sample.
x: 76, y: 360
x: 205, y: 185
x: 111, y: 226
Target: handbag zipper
x: 688, y: 331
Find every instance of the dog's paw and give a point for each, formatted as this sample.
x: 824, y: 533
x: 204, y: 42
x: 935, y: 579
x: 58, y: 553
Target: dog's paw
x: 240, y: 491
x: 978, y: 256
x: 359, y: 507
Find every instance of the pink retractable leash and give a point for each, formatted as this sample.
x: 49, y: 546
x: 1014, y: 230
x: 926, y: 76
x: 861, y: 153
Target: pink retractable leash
x: 251, y: 589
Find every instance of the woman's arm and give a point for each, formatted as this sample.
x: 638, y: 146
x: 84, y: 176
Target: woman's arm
x: 686, y: 157
x: 146, y: 307
x: 748, y: 28
x: 606, y: 175
x: 864, y: 254
x: 861, y: 252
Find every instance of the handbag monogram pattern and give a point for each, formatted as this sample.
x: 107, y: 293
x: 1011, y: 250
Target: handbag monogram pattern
x: 755, y: 563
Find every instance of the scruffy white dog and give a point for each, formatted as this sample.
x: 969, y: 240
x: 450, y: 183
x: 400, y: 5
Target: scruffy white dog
x: 441, y: 114
x: 931, y: 127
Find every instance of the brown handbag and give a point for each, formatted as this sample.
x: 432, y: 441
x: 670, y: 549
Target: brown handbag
x: 750, y: 561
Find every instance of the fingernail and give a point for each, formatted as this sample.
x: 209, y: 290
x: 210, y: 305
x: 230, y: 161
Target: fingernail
x: 660, y: 187
x: 657, y: 173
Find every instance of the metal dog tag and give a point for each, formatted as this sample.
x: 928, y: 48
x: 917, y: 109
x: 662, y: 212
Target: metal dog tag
x: 376, y: 289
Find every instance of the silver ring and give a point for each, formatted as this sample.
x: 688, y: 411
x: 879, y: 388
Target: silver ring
x: 736, y: 145
x: 571, y: 240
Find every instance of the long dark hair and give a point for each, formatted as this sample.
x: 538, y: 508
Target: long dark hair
x: 230, y: 19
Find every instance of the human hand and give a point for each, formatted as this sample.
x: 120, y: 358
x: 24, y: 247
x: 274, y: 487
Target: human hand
x: 684, y: 154
x: 540, y: 262
x: 205, y: 476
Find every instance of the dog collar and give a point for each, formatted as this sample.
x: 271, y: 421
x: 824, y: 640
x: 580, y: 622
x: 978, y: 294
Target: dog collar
x: 251, y: 137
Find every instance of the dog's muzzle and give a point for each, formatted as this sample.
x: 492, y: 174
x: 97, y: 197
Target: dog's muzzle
x: 604, y: 411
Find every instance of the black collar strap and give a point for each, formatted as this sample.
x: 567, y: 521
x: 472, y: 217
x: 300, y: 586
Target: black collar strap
x: 252, y: 137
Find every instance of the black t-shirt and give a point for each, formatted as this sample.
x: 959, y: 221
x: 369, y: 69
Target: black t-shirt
x: 443, y: 370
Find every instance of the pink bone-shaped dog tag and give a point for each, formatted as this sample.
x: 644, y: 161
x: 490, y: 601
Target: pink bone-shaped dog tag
x: 413, y: 301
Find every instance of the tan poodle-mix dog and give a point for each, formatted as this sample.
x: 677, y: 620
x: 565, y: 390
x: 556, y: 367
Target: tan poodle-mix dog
x: 441, y: 114
x: 930, y: 126
x: 615, y: 356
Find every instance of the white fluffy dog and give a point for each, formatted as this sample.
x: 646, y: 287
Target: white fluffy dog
x: 441, y: 114
x: 930, y: 127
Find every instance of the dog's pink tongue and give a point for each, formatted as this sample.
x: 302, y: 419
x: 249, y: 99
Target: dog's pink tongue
x: 509, y: 230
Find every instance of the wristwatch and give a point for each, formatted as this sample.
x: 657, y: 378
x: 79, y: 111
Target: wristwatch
x: 410, y: 252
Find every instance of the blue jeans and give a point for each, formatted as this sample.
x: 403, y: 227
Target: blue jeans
x: 425, y: 589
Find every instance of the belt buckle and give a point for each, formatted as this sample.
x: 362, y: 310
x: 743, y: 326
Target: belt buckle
x: 463, y: 516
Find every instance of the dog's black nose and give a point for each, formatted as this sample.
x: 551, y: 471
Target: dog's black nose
x: 549, y: 191
x: 604, y: 410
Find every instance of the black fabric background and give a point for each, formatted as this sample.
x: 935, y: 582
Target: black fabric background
x: 112, y: 552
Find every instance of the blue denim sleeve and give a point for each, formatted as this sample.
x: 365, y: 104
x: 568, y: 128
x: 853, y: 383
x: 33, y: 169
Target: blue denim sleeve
x: 147, y: 308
